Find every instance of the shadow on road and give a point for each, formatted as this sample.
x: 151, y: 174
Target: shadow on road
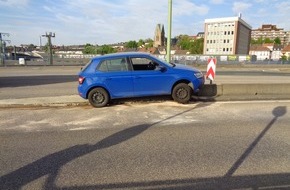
x: 51, y: 164
x: 21, y: 81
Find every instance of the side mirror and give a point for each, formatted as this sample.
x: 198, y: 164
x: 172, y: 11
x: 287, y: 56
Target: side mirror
x: 161, y: 68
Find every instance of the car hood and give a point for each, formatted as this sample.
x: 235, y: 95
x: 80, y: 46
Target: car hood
x: 184, y: 67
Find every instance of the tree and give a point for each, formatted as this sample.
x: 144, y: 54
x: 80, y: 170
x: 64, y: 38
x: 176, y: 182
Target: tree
x: 197, y: 46
x: 90, y: 49
x: 31, y: 47
x: 140, y: 43
x: 261, y: 40
x: 194, y: 46
x: 268, y: 40
x: 277, y: 40
x: 105, y: 49
x: 131, y: 44
x: 148, y: 43
x: 184, y: 42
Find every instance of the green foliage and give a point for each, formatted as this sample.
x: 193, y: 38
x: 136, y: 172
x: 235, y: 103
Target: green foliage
x: 90, y: 49
x: 140, y: 43
x: 184, y: 42
x: 187, y: 43
x: 105, y: 49
x: 277, y: 40
x: 284, y: 57
x: 31, y: 47
x: 268, y: 40
x: 148, y: 43
x: 197, y: 46
x: 131, y: 44
x: 262, y: 40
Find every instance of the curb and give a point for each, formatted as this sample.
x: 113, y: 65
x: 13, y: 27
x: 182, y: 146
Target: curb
x: 56, y: 101
x: 210, y: 92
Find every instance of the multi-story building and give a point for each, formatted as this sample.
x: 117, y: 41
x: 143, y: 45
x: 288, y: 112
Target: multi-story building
x: 271, y: 32
x: 159, y: 37
x: 226, y: 36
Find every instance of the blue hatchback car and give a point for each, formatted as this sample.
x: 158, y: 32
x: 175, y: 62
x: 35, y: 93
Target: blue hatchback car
x: 124, y: 75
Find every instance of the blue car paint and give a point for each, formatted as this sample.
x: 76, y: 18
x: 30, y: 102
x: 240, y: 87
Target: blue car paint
x: 123, y: 84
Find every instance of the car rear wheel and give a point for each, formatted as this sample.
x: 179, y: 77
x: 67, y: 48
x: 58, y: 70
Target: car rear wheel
x: 98, y: 97
x: 181, y: 93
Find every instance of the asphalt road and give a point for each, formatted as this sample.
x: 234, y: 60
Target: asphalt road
x: 161, y: 145
x: 28, y: 82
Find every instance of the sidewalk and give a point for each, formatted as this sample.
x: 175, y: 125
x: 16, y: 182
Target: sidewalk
x: 72, y: 100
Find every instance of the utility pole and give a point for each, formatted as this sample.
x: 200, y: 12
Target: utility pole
x: 49, y: 36
x: 2, y: 47
x: 168, y: 58
x: 40, y: 43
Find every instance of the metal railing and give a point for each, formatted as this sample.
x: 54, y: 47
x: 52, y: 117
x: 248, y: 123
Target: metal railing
x: 80, y: 60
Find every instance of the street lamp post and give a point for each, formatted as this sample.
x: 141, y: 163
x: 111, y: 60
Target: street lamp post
x: 168, y: 51
x: 2, y: 47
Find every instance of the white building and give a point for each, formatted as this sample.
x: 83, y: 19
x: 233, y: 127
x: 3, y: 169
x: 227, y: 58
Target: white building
x: 226, y: 36
x: 262, y: 53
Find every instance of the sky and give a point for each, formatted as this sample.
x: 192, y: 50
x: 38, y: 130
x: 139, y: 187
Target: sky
x: 98, y: 22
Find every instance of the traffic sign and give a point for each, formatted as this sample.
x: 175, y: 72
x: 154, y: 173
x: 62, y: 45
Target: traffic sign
x: 211, y: 66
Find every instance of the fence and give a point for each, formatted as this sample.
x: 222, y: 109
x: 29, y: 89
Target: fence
x: 79, y: 60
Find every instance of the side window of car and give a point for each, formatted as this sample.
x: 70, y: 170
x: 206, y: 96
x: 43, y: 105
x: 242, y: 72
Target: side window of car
x: 141, y: 64
x: 113, y: 65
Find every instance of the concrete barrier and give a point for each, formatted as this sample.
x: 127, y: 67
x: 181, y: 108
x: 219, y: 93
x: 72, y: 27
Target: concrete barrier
x: 244, y: 91
x: 255, y: 89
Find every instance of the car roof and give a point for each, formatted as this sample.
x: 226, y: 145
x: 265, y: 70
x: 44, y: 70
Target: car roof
x: 113, y: 55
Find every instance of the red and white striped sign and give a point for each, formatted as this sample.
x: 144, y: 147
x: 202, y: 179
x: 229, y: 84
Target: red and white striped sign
x: 210, y: 73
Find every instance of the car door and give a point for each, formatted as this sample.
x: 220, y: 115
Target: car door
x: 149, y: 80
x: 117, y: 77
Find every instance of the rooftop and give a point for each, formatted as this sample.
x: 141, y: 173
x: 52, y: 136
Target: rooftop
x: 228, y: 19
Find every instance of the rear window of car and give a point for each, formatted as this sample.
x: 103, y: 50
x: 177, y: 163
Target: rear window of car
x: 112, y: 65
x: 86, y: 65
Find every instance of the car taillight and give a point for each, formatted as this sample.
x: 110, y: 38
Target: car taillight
x: 81, y: 80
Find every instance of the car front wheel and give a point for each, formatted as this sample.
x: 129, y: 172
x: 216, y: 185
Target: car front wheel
x: 98, y: 97
x: 181, y: 93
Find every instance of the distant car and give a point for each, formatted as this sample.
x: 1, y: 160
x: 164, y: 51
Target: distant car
x: 124, y: 75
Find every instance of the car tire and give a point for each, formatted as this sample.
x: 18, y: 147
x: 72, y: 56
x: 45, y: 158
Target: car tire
x: 181, y: 93
x: 98, y: 97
